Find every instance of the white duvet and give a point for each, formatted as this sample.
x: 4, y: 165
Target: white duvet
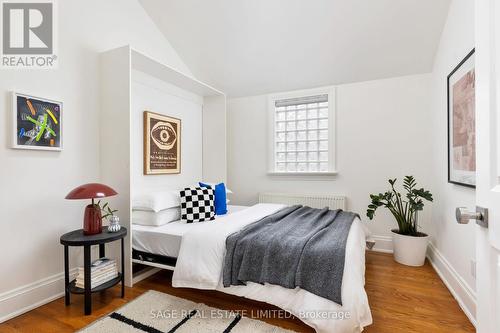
x: 200, y: 265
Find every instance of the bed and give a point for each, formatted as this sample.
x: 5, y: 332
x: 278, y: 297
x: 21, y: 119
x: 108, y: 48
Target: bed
x: 165, y: 240
x: 197, y: 261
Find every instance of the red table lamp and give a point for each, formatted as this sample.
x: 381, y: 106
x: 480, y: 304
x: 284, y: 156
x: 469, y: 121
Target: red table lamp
x: 92, y: 220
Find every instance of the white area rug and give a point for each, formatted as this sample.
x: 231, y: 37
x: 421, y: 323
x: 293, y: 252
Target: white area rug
x: 155, y: 312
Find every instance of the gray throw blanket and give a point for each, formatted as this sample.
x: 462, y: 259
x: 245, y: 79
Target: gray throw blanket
x: 296, y: 247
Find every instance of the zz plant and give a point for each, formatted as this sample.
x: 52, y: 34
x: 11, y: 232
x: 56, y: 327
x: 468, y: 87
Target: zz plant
x: 404, y: 209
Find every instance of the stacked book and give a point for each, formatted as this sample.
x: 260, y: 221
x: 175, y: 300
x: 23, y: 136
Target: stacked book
x: 101, y: 271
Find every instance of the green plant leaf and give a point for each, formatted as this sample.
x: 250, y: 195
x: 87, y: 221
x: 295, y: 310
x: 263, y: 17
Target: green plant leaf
x: 405, y: 207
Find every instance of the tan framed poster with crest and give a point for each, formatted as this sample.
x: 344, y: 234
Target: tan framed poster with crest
x: 162, y: 144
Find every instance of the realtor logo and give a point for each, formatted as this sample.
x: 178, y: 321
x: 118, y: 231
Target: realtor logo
x: 28, y: 34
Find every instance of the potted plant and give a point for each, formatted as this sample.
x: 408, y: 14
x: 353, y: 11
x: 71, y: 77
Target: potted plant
x: 409, y: 243
x: 109, y: 214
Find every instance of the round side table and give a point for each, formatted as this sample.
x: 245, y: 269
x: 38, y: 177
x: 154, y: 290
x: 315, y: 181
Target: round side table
x: 77, y: 238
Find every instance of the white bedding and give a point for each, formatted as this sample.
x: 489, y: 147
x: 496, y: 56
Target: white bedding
x: 156, y: 219
x: 166, y: 239
x: 200, y: 264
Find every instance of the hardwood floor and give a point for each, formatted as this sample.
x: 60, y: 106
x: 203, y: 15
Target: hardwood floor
x: 410, y: 299
x: 402, y: 299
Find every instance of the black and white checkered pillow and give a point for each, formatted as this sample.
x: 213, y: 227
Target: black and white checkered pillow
x: 197, y: 204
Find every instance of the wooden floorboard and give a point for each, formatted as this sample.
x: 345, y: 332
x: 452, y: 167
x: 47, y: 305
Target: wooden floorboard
x: 402, y: 299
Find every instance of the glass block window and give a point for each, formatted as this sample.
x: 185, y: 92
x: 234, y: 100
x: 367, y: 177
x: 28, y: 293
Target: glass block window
x: 301, y: 133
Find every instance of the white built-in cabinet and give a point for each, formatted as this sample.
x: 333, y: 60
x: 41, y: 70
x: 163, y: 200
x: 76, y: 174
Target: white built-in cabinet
x: 116, y: 150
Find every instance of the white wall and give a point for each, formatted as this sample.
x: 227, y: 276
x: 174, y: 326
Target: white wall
x: 154, y: 95
x: 382, y: 132
x: 214, y: 139
x: 453, y: 244
x: 34, y: 183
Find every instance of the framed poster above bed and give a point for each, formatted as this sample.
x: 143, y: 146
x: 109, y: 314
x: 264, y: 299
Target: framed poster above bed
x: 162, y: 144
x: 461, y: 123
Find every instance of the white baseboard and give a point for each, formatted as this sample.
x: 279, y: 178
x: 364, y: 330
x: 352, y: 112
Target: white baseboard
x: 28, y: 297
x: 461, y: 291
x: 382, y: 244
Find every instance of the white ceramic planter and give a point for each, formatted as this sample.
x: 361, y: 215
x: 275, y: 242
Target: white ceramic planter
x: 409, y: 250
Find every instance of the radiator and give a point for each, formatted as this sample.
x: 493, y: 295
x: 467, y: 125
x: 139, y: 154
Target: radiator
x: 314, y: 201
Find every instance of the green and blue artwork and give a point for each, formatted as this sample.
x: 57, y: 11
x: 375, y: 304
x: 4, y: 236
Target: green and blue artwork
x: 38, y: 123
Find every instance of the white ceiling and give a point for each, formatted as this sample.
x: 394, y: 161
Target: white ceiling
x: 251, y: 47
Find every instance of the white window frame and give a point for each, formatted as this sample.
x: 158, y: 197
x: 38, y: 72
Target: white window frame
x: 332, y: 132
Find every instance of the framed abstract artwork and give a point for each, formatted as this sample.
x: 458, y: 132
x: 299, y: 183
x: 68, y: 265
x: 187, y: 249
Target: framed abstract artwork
x: 162, y: 144
x: 37, y: 123
x: 461, y: 123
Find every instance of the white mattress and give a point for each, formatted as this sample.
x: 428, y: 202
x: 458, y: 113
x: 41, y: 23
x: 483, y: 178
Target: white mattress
x: 201, y: 259
x: 165, y: 240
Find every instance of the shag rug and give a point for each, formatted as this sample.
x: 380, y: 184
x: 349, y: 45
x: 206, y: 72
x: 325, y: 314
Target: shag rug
x: 155, y: 312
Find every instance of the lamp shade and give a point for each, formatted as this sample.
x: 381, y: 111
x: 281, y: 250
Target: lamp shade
x: 90, y: 191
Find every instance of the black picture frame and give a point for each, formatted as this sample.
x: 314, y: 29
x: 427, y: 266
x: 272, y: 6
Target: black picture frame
x: 449, y: 122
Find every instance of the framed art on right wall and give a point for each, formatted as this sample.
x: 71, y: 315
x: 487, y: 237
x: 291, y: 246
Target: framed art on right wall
x: 462, y: 123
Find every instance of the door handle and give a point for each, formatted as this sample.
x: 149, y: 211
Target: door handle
x: 463, y: 216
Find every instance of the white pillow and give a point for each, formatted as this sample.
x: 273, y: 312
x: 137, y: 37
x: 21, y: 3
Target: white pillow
x: 156, y: 201
x: 151, y: 218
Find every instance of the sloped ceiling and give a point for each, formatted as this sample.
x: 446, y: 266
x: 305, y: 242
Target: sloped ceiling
x: 251, y: 47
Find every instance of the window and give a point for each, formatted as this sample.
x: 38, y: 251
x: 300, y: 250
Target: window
x: 302, y: 133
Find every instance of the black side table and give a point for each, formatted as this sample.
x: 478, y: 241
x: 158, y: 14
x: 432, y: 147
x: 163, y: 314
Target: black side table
x: 77, y: 238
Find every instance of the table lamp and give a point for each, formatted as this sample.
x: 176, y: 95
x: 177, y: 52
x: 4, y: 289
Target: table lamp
x: 92, y: 220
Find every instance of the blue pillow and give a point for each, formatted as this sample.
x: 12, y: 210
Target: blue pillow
x: 220, y: 198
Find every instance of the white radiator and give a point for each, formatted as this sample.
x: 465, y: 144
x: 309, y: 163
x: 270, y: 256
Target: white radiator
x: 314, y: 201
